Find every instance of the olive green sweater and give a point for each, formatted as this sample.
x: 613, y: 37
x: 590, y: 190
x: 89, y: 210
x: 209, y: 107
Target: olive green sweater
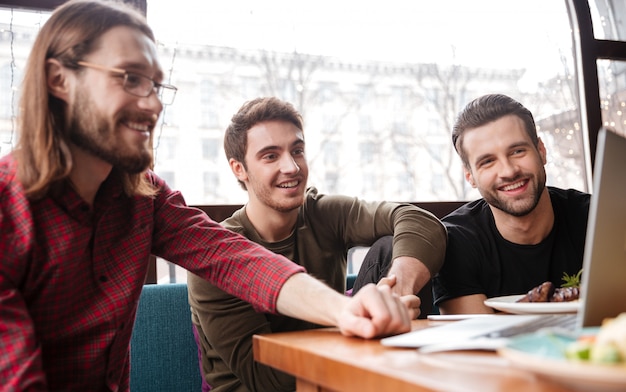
x: 327, y: 226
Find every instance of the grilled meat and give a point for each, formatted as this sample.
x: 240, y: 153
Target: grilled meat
x: 541, y: 293
x: 546, y: 292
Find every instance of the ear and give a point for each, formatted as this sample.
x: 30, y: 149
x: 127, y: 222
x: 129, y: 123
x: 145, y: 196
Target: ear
x: 238, y: 169
x: 542, y: 151
x: 58, y: 84
x: 468, y: 176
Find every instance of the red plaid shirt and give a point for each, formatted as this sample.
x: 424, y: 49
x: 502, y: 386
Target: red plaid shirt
x: 71, y: 276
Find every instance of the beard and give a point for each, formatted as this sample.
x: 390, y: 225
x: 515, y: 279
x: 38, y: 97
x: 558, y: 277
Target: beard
x: 287, y: 205
x: 89, y: 131
x: 519, y: 207
x: 264, y: 195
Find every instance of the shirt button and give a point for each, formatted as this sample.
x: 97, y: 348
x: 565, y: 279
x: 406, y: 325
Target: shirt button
x: 103, y: 279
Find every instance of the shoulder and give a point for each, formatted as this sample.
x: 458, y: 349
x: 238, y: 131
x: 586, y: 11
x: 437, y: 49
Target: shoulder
x: 8, y: 169
x: 314, y: 201
x: 10, y: 186
x: 569, y: 199
x: 237, y: 222
x: 571, y: 195
x: 469, y: 214
x: 571, y: 208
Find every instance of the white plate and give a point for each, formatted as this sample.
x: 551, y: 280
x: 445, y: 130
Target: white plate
x: 508, y: 304
x: 542, y: 354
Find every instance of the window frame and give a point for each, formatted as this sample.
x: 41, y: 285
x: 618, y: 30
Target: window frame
x: 588, y: 50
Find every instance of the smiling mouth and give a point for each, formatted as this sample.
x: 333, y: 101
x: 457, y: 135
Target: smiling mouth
x: 290, y: 184
x: 514, y: 186
x: 141, y: 127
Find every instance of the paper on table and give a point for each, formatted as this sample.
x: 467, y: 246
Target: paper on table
x: 490, y: 344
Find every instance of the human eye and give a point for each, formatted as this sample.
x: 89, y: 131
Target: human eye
x: 269, y: 157
x: 298, y: 151
x: 484, y: 162
x: 134, y: 80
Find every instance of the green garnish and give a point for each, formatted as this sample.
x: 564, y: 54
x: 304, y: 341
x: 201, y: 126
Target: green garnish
x: 573, y: 280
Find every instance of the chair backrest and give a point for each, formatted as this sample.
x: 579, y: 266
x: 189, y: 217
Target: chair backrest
x: 163, y: 352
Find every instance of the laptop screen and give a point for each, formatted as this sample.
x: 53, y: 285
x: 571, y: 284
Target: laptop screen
x: 603, y: 286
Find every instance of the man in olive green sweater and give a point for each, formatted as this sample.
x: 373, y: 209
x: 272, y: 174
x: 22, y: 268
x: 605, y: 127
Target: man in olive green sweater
x: 265, y: 148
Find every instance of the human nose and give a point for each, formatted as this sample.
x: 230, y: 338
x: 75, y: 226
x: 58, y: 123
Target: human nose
x: 289, y: 165
x: 509, y: 168
x: 151, y: 102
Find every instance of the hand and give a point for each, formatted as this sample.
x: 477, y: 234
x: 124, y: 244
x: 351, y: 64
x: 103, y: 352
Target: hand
x: 410, y: 275
x: 375, y: 311
x: 412, y: 302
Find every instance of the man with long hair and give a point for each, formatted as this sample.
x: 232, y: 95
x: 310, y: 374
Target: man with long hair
x: 80, y: 214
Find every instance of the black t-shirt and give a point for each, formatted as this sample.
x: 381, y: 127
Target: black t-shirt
x: 480, y: 261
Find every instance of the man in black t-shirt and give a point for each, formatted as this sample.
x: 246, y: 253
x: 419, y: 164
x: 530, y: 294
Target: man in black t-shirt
x: 521, y: 233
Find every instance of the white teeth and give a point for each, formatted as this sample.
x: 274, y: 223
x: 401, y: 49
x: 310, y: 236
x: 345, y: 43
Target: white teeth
x: 138, y: 126
x: 288, y: 184
x: 513, y: 186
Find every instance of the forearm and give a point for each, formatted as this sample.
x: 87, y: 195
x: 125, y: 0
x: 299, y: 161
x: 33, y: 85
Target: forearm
x: 411, y: 275
x: 372, y: 312
x: 307, y: 298
x: 467, y: 304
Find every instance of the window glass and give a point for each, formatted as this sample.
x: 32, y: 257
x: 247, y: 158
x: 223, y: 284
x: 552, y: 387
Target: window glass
x: 380, y: 80
x: 609, y: 19
x: 18, y: 29
x: 612, y: 82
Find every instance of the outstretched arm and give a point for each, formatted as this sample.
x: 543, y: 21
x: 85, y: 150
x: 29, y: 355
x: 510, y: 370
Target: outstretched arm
x: 372, y: 312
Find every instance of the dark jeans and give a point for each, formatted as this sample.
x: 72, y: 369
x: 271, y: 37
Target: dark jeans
x: 376, y: 264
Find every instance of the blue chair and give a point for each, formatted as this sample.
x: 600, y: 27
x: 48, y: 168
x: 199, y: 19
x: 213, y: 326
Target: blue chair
x: 350, y: 281
x: 163, y: 352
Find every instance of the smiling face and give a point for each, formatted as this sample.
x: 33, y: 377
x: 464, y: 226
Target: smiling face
x: 275, y: 171
x: 505, y: 166
x: 104, y: 119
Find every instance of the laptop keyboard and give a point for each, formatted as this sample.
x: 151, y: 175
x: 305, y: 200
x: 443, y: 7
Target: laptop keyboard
x: 564, y: 322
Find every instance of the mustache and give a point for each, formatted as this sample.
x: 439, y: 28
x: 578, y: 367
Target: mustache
x: 509, y: 180
x: 131, y: 116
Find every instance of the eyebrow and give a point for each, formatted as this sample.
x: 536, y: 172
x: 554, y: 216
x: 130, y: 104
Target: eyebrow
x: 142, y: 69
x: 510, y: 147
x: 299, y: 142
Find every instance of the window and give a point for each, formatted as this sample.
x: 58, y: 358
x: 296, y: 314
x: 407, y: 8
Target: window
x: 407, y: 67
x: 211, y: 181
x: 210, y: 149
x: 331, y: 154
x: 209, y: 115
x: 392, y: 74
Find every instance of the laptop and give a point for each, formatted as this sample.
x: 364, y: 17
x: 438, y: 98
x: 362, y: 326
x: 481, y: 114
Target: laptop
x: 603, y: 285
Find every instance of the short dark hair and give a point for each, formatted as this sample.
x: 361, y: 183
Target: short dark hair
x: 251, y: 113
x: 486, y: 109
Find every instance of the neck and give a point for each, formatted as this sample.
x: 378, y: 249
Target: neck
x: 271, y: 225
x: 529, y: 229
x: 88, y: 173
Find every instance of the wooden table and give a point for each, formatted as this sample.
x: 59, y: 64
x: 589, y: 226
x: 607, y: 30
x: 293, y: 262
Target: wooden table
x: 324, y: 360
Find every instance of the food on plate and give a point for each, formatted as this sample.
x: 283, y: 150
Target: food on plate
x: 546, y: 292
x: 608, y: 346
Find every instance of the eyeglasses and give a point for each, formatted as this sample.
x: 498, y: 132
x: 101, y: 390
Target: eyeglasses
x: 137, y: 84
